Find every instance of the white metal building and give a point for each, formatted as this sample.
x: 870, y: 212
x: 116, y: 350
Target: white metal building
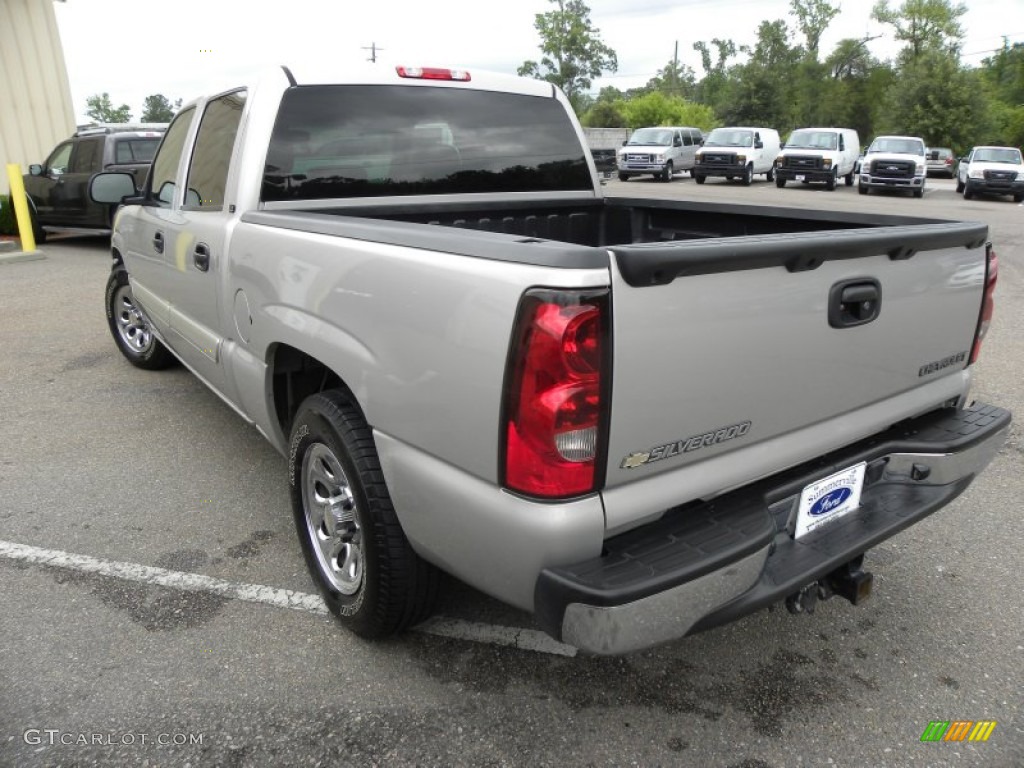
x: 36, y: 111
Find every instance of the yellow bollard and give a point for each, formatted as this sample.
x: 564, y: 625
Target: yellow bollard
x: 28, y: 237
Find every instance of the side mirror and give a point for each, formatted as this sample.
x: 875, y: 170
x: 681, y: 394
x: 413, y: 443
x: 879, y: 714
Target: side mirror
x: 677, y: 142
x: 625, y: 142
x: 35, y: 170
x: 111, y: 187
x: 192, y: 198
x: 758, y: 145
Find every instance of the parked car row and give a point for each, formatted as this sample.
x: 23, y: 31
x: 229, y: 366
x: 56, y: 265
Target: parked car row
x: 817, y: 155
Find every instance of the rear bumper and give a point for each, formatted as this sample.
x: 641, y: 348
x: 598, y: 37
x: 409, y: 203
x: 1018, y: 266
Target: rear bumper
x: 705, y: 564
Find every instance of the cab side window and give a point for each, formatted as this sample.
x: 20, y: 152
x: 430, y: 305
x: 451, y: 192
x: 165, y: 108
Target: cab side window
x: 59, y: 159
x: 208, y: 171
x: 87, y: 156
x: 164, y: 173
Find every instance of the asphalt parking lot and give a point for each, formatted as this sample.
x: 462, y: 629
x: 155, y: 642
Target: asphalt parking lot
x: 157, y: 611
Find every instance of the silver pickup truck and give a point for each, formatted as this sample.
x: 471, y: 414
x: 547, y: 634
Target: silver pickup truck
x: 637, y: 419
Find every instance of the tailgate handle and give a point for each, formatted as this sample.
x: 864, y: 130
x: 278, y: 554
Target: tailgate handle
x: 854, y: 302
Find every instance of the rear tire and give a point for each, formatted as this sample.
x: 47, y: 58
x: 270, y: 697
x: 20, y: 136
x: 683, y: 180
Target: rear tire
x: 353, y: 543
x: 770, y: 176
x: 848, y: 178
x: 130, y: 328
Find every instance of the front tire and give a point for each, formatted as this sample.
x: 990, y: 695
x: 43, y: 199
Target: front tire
x: 959, y: 186
x: 968, y: 191
x: 861, y: 189
x: 698, y: 178
x: 748, y: 175
x: 353, y: 543
x: 623, y: 177
x: 38, y: 233
x: 130, y: 327
x: 780, y: 182
x: 830, y: 182
x: 666, y: 175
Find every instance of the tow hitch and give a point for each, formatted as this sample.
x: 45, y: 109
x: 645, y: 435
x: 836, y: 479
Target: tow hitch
x: 849, y: 581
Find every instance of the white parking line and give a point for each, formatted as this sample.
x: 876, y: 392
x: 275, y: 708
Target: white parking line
x: 493, y: 634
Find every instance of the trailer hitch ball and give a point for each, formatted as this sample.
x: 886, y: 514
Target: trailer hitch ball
x: 849, y: 581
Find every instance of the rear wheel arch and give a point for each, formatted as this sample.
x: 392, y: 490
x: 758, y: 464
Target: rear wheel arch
x: 293, y: 375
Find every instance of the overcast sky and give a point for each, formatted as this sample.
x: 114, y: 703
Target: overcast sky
x: 134, y: 48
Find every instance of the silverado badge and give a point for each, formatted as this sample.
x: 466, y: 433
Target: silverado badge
x: 686, y: 445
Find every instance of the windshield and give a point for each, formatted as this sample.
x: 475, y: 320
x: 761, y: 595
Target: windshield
x: 898, y: 146
x: 1007, y: 155
x: 812, y: 140
x: 651, y: 136
x: 341, y: 141
x: 726, y: 137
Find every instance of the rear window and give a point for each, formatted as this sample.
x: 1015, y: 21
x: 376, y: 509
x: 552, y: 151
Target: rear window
x: 340, y: 141
x: 135, y: 150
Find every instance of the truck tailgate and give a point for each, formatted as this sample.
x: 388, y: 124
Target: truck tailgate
x: 715, y: 354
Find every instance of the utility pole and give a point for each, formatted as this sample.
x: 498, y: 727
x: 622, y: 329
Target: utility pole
x: 675, y: 71
x: 373, y: 49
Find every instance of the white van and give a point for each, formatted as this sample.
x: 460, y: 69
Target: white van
x: 659, y: 152
x: 738, y: 153
x: 818, y: 154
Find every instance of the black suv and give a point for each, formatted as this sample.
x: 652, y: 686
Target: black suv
x: 58, y: 190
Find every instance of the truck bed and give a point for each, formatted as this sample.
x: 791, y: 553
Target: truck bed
x: 808, y: 237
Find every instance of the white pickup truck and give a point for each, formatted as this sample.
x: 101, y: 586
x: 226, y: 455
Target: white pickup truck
x: 635, y: 418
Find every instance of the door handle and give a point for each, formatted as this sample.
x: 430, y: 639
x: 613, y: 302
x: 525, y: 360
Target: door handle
x: 158, y: 242
x: 201, y: 257
x: 854, y: 302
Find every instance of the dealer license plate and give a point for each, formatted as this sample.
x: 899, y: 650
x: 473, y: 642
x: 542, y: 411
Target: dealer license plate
x: 829, y: 499
x: 799, y: 177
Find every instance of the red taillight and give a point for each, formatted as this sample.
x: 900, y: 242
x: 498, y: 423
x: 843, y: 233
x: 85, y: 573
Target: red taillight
x: 988, y: 303
x: 555, y: 411
x: 433, y: 73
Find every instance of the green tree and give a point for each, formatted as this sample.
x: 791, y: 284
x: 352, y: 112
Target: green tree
x: 158, y: 109
x: 674, y: 78
x: 655, y: 108
x: 813, y: 18
x: 710, y: 88
x: 604, y: 114
x: 936, y: 98
x: 574, y: 53
x: 760, y: 91
x: 1003, y: 76
x: 923, y: 24
x: 102, y: 110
